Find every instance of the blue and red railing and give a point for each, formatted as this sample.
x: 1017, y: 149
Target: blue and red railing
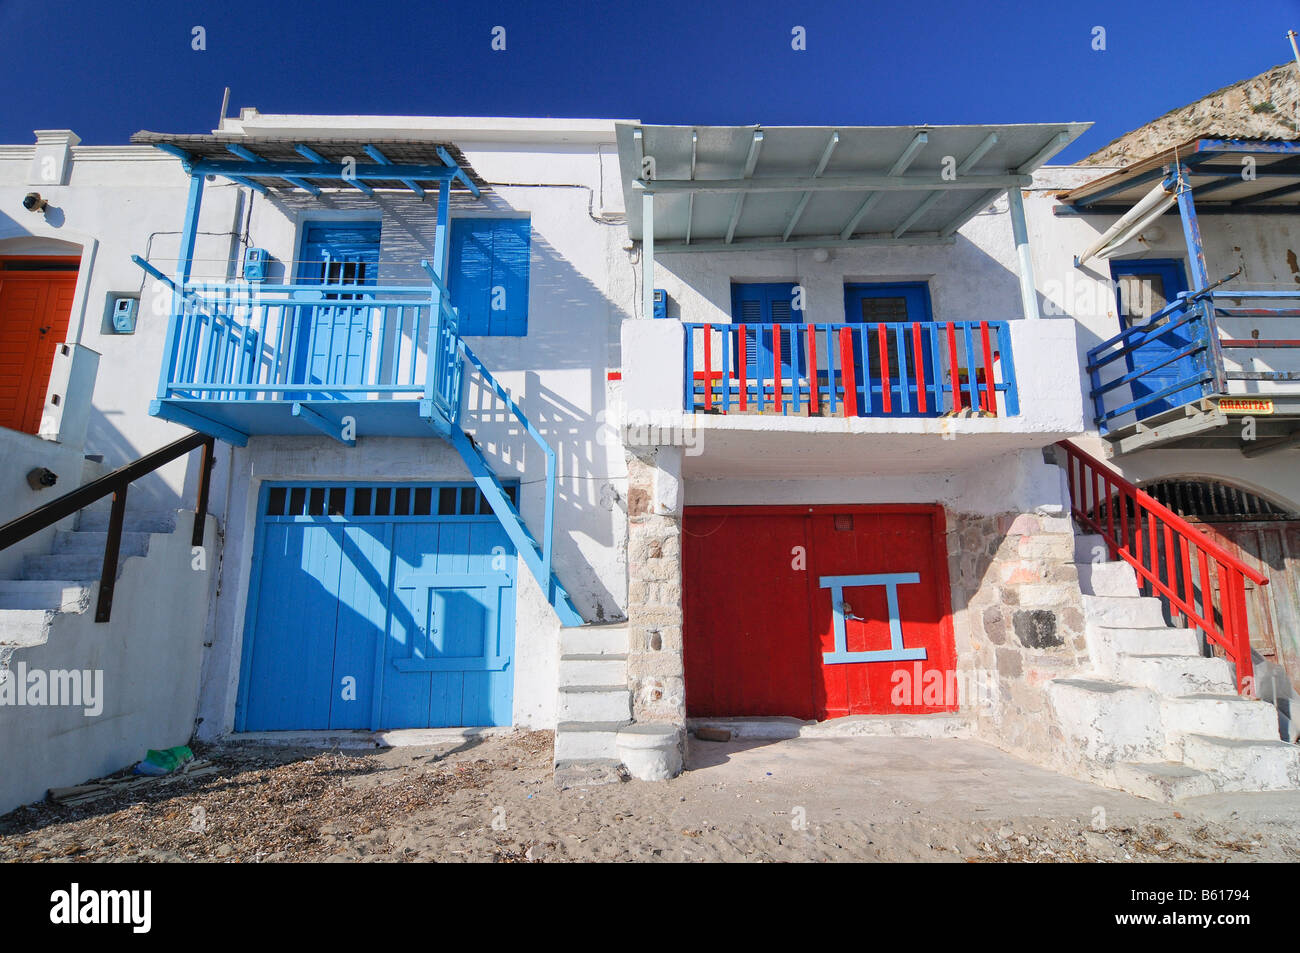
x: 1177, y: 356
x: 869, y: 369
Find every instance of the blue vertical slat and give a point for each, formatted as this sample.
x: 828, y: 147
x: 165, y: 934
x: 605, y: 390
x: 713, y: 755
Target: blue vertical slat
x: 688, y: 372
x: 1008, y: 369
x: 972, y: 386
x: 904, y: 382
x: 866, y: 337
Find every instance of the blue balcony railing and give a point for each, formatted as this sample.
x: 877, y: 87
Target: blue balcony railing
x: 868, y: 369
x: 256, y: 346
x: 1198, y: 346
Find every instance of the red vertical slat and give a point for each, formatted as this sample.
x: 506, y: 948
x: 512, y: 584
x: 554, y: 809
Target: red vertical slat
x: 813, y: 406
x: 1241, y: 635
x: 777, y: 396
x: 886, y: 382
x: 918, y: 366
x: 846, y: 373
x: 990, y: 387
x: 708, y: 367
x: 742, y: 366
x: 956, y: 369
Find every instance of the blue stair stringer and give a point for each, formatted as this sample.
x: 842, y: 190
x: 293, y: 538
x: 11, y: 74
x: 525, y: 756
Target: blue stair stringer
x: 513, y: 523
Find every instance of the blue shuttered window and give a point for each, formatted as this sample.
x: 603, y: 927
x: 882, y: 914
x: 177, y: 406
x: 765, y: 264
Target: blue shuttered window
x: 488, y: 275
x: 764, y: 303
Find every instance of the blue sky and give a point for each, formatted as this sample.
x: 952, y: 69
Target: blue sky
x: 109, y: 69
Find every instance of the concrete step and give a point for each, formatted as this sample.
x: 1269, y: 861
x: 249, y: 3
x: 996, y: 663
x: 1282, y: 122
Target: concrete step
x: 81, y: 567
x: 594, y: 640
x: 607, y: 670
x: 1107, y: 579
x: 1108, y: 722
x: 1244, y: 765
x: 589, y: 772
x: 23, y: 628
x: 1161, y: 780
x: 94, y: 518
x: 594, y: 703
x: 1107, y: 642
x: 1223, y: 716
x: 1176, y: 674
x: 133, y: 544
x: 57, y: 595
x: 587, y: 740
x: 1088, y: 547
x: 1124, y: 612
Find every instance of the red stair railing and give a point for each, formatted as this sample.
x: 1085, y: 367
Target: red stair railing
x: 1163, y: 548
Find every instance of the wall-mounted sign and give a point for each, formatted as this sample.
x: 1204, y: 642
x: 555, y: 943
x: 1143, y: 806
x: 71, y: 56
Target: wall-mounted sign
x: 1245, y: 405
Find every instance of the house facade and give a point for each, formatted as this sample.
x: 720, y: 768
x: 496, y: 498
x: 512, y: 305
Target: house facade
x: 594, y: 426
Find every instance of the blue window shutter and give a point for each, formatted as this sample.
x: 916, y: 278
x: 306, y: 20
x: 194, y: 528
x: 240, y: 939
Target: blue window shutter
x: 487, y: 254
x: 510, y: 252
x: 763, y: 303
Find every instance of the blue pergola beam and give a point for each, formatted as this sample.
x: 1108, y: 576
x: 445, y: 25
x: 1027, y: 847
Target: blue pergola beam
x: 382, y: 159
x: 251, y: 156
x: 459, y: 173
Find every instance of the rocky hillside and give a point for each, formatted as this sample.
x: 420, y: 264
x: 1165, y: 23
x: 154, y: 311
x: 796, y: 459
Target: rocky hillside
x: 1266, y: 106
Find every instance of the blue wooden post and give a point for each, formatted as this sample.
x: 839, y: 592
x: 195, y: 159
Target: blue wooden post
x: 184, y: 263
x: 1191, y: 231
x: 435, y: 357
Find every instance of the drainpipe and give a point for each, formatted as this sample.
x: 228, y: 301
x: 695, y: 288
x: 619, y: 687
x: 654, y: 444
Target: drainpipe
x: 1028, y: 294
x: 647, y: 255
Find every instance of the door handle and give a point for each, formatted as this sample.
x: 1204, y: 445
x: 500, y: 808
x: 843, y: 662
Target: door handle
x: 847, y: 611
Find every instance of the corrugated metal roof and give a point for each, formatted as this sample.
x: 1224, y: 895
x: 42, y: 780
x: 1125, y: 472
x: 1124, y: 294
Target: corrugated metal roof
x: 215, y: 148
x: 916, y: 197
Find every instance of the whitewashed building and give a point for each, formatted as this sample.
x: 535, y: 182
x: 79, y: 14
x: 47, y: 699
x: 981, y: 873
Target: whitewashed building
x: 589, y: 425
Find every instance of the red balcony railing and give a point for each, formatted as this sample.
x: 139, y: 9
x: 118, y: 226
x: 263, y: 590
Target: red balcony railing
x: 913, y: 369
x: 1196, y: 578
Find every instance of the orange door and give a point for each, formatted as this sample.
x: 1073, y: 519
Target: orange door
x: 35, y: 304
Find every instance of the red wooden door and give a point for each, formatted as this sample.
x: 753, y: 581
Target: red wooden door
x: 35, y: 306
x: 747, y: 643
x: 909, y: 658
x: 760, y: 588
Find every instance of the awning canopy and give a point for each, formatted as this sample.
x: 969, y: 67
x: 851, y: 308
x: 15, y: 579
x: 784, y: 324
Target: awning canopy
x: 1227, y: 176
x: 739, y: 187
x: 310, y: 164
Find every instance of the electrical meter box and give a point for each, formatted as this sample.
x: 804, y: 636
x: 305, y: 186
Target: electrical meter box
x: 124, y: 312
x: 661, y: 303
x: 255, y: 261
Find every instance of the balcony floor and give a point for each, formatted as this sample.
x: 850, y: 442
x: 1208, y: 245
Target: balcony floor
x: 236, y: 420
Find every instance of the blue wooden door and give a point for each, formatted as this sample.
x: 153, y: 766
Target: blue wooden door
x: 334, y: 326
x: 896, y: 305
x: 1142, y: 287
x: 378, y: 607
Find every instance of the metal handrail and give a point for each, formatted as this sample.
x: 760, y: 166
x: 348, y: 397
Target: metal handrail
x: 1099, y: 500
x: 116, y: 484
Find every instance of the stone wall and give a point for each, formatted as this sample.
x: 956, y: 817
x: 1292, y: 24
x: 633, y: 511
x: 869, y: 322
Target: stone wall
x: 655, y: 669
x: 1018, y: 614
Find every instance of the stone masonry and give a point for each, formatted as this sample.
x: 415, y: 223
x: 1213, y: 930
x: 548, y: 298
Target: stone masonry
x: 654, y: 563
x: 1019, y: 619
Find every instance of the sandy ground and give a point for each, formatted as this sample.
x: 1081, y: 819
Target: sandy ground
x: 494, y: 799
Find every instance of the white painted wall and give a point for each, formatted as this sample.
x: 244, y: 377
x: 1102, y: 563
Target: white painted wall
x: 149, y: 656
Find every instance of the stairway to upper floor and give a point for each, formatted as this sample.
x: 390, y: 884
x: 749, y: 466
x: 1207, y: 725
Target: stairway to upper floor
x: 1158, y: 717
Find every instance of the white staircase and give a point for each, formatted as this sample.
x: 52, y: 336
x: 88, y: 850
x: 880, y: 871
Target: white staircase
x: 1158, y: 718
x: 62, y: 581
x: 594, y: 700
